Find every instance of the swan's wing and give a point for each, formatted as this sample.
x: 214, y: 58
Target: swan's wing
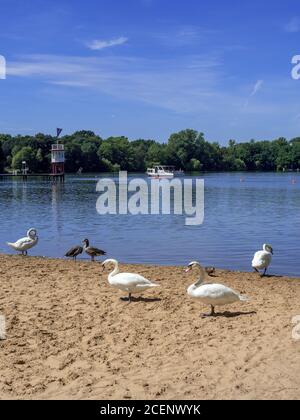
x: 262, y: 259
x: 216, y: 291
x: 131, y: 279
x: 23, y: 244
x: 23, y: 241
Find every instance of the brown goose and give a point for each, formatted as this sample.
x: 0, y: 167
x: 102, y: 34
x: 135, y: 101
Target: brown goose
x: 74, y: 252
x: 91, y: 251
x: 210, y: 271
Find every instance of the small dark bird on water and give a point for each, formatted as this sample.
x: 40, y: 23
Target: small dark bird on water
x: 92, y: 251
x: 74, y: 252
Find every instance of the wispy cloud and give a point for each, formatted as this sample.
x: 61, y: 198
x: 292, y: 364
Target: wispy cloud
x: 183, y: 36
x: 167, y: 83
x: 293, y: 25
x: 98, y: 44
x: 193, y: 85
x: 257, y: 86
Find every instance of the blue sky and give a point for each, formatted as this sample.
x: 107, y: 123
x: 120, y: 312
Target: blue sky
x: 147, y: 68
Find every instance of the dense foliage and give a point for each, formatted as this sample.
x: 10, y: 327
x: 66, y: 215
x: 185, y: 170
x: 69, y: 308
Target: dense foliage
x: 187, y: 150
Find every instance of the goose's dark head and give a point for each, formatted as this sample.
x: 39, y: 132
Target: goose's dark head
x: 86, y: 242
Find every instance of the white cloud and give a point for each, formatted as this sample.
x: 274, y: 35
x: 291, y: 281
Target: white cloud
x: 193, y: 89
x: 293, y: 25
x: 178, y: 85
x: 98, y: 44
x: 183, y: 36
x: 190, y: 86
x: 257, y: 87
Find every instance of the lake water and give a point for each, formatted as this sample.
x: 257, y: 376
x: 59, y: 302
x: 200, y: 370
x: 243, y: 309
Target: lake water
x: 242, y: 211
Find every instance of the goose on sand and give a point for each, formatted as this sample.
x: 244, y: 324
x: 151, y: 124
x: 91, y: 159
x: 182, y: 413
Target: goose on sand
x: 92, y: 251
x: 24, y: 244
x: 211, y: 294
x: 210, y: 271
x: 128, y: 282
x: 262, y: 259
x: 74, y: 252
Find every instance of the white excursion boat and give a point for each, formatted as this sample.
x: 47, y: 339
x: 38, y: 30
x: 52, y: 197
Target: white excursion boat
x: 161, y: 171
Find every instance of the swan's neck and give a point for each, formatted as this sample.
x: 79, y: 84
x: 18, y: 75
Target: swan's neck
x: 199, y: 282
x: 115, y: 270
x: 202, y: 277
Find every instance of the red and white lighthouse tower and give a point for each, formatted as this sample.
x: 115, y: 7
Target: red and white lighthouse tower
x: 58, y: 158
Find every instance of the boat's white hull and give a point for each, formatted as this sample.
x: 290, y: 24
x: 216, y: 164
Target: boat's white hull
x: 161, y: 175
x: 163, y: 172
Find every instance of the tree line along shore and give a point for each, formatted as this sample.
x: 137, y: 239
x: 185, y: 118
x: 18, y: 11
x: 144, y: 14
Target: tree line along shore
x: 187, y: 150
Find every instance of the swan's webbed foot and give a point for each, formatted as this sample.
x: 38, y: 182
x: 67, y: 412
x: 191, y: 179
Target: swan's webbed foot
x: 212, y: 313
x: 264, y: 273
x: 127, y: 299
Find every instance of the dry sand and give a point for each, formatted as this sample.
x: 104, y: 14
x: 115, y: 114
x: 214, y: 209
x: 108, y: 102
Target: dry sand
x: 69, y: 336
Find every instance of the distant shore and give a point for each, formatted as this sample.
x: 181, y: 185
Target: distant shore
x: 69, y: 336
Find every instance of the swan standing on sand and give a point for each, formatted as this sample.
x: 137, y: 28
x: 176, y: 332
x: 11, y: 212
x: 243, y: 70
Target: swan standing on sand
x: 24, y: 244
x: 128, y: 282
x: 262, y: 259
x: 211, y: 294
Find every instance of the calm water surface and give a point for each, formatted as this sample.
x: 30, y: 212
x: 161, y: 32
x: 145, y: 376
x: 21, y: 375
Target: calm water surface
x: 239, y: 218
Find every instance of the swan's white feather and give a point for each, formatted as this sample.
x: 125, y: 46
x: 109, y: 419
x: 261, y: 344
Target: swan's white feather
x: 129, y: 282
x: 23, y: 244
x: 215, y: 294
x: 131, y: 279
x: 212, y: 294
x: 261, y: 260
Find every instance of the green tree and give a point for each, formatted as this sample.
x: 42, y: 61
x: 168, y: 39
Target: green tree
x: 25, y: 154
x: 117, y: 150
x: 2, y: 159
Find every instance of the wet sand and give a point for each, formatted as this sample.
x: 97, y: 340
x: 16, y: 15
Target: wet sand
x: 70, y: 336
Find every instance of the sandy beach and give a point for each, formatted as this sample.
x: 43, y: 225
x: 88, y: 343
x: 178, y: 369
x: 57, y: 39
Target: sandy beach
x: 70, y: 336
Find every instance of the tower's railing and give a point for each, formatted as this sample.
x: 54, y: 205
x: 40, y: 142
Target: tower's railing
x: 58, y: 147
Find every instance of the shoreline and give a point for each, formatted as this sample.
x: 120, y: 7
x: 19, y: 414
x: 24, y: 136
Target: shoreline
x: 69, y: 336
x: 98, y: 260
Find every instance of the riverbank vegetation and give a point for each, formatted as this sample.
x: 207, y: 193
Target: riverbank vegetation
x: 186, y: 149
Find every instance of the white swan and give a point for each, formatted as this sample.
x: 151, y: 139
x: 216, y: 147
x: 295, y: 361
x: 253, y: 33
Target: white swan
x: 128, y: 282
x: 262, y: 259
x: 211, y: 294
x: 24, y: 244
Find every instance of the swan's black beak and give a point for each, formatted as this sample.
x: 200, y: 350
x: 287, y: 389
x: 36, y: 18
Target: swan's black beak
x: 272, y: 252
x: 103, y: 267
